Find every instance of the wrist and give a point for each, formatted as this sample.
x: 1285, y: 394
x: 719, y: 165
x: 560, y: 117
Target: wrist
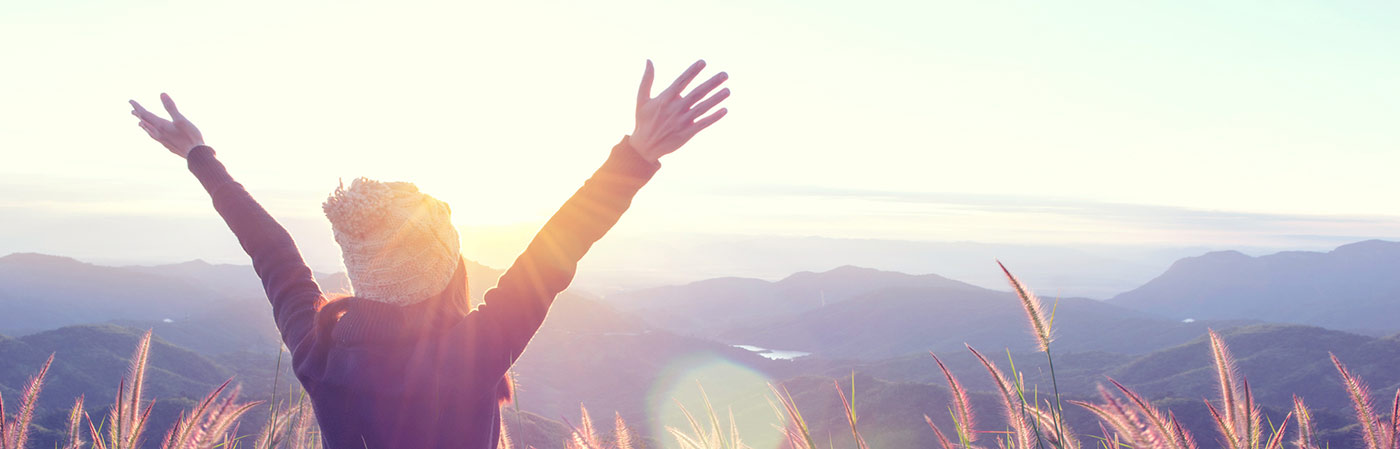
x: 642, y: 149
x: 197, y: 149
x: 626, y: 156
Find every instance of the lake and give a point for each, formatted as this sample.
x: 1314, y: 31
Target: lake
x: 773, y: 354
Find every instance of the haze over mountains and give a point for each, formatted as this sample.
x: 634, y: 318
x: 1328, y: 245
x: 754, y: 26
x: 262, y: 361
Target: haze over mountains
x: 659, y: 260
x: 1353, y: 287
x: 853, y: 312
x: 632, y: 351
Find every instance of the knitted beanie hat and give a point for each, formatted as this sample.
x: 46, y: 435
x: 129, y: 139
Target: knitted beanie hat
x: 398, y: 244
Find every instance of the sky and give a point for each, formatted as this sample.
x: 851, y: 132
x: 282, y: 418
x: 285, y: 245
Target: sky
x: 1154, y: 124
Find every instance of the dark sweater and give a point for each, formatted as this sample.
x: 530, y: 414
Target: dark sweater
x: 425, y: 375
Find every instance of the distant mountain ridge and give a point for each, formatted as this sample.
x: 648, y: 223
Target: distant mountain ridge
x: 184, y: 301
x: 896, y: 321
x: 45, y: 292
x: 863, y: 313
x: 716, y: 305
x: 1353, y: 287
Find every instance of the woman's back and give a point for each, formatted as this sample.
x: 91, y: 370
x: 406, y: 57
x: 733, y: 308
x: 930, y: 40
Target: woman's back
x: 380, y: 392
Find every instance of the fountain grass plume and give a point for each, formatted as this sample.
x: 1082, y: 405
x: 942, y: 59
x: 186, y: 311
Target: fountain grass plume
x: 1043, y: 328
x: 1307, y: 438
x: 851, y: 412
x: 622, y: 434
x: 1180, y: 433
x: 126, y: 421
x: 1035, y: 311
x: 585, y: 422
x: 1010, y: 400
x: 964, y: 418
x: 1227, y: 376
x: 1123, y: 419
x: 75, y: 425
x: 1249, y: 415
x: 1168, y: 434
x: 1109, y: 440
x: 586, y: 435
x: 1394, y: 433
x: 1361, y: 401
x: 1060, y: 434
x: 209, y: 423
x: 15, y: 435
x: 304, y: 434
x: 714, y: 437
x: 1225, y: 425
x: 1118, y: 422
x: 942, y: 439
x: 797, y: 434
x: 1276, y: 441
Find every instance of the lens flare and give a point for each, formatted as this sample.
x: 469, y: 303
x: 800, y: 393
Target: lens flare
x: 689, y: 380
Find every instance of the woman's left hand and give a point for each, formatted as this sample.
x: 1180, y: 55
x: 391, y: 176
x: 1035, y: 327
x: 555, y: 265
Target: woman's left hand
x: 670, y: 119
x: 177, y: 134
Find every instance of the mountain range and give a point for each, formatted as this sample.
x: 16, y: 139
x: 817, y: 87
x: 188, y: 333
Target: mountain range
x: 1353, y: 287
x: 853, y: 312
x: 635, y: 351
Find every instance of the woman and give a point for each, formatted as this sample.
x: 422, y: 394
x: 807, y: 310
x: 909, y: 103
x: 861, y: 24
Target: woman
x: 404, y: 363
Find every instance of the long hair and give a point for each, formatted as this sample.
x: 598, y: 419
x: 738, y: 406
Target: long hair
x: 333, y: 306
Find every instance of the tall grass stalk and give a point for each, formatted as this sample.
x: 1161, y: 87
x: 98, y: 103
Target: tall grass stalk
x: 714, y: 437
x: 296, y: 430
x: 75, y: 425
x: 960, y: 406
x: 1238, y: 419
x: 14, y: 435
x: 1167, y: 434
x: 796, y: 433
x: 1372, y: 432
x: 851, y: 412
x: 621, y: 434
x: 272, y: 403
x: 126, y: 420
x: 210, y: 423
x: 586, y: 436
x: 1306, y: 437
x: 942, y: 439
x: 1125, y: 423
x: 1043, y: 327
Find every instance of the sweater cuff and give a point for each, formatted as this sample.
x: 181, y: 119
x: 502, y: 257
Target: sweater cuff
x: 626, y: 161
x: 207, y: 169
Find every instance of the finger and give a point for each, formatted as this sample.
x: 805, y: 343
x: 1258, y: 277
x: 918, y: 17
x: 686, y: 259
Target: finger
x: 170, y: 107
x: 150, y: 131
x: 644, y: 92
x: 704, y: 89
x: 705, y: 106
x: 704, y: 123
x: 143, y: 114
x: 685, y: 78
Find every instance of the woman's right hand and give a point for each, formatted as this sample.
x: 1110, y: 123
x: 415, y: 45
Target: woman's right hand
x: 178, y: 134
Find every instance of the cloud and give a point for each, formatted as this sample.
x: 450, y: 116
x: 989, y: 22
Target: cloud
x: 1041, y: 213
x: 1035, y: 204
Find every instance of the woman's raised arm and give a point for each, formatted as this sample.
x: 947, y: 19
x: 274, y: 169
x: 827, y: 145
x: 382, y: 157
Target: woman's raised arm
x: 511, y: 312
x: 285, y: 277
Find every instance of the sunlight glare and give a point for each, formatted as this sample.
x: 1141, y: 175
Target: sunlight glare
x: 729, y: 386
